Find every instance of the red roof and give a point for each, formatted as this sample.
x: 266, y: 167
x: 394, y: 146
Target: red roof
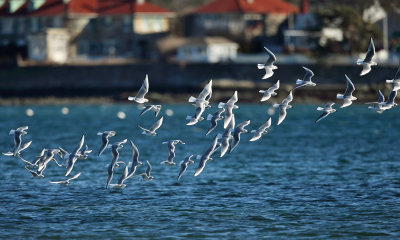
x: 103, y: 7
x: 83, y: 6
x: 116, y: 7
x: 50, y: 8
x: 248, y: 6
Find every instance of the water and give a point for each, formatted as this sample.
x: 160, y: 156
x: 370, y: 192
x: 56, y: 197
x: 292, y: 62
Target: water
x: 339, y: 178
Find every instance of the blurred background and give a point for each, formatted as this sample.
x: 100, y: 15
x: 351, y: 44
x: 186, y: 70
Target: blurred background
x: 97, y: 51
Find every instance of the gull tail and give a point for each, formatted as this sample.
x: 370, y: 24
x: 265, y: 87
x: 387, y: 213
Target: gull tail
x: 253, y: 131
x: 164, y: 142
x: 390, y: 81
x: 131, y: 98
x: 219, y: 135
x: 221, y: 105
x: 261, y: 91
x: 192, y: 99
x: 260, y: 66
x: 209, y: 117
x: 320, y: 108
x: 276, y: 105
x: 12, y: 131
x: 360, y: 61
x: 339, y: 96
x: 144, y: 132
x: 198, y: 157
x: 99, y: 133
x: 299, y: 81
x: 188, y: 117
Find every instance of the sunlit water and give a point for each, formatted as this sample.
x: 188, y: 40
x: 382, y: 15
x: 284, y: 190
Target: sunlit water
x: 339, y: 178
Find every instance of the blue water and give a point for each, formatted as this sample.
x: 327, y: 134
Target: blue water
x: 339, y: 178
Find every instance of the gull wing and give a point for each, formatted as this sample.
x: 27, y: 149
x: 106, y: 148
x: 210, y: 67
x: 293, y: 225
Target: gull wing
x: 144, y: 89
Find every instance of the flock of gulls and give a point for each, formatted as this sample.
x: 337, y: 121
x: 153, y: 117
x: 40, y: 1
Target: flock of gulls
x: 224, y: 142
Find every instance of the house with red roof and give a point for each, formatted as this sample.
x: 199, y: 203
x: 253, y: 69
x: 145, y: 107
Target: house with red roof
x: 239, y: 20
x: 88, y: 28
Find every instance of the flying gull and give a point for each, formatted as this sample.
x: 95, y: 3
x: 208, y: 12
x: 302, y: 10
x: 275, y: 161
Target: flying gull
x: 146, y: 176
x: 104, y: 140
x: 152, y: 130
x: 229, y: 106
x: 204, y: 96
x: 269, y: 65
x: 66, y: 182
x: 283, y: 107
x: 206, y: 156
x: 184, y: 165
x: 114, y: 150
x: 395, y: 81
x: 155, y: 108
x: 226, y: 136
x: 142, y: 91
x: 239, y: 129
x: 261, y: 130
x: 347, y: 96
x: 306, y: 79
x: 214, y: 119
x: 270, y: 92
x: 171, y: 151
x: 367, y: 62
x: 326, y: 110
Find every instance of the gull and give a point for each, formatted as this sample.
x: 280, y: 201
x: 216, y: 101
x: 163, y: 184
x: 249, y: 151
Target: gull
x: 347, y: 96
x: 239, y: 129
x: 47, y: 158
x: 17, y: 140
x: 124, y: 176
x: 389, y: 103
x: 184, y: 165
x: 395, y: 81
x: 171, y: 151
x: 204, y: 96
x: 73, y: 156
x: 155, y: 108
x: 214, y: 119
x: 269, y: 65
x: 261, y: 130
x: 197, y: 115
x: 270, y: 92
x: 306, y: 79
x: 206, y: 156
x: 377, y: 105
x: 367, y: 62
x: 142, y: 91
x: 83, y: 153
x: 283, y: 107
x: 18, y: 154
x: 152, y: 130
x: 66, y: 182
x: 146, y: 175
x: 229, y: 106
x: 327, y: 109
x: 114, y: 162
x: 39, y: 157
x: 135, y: 160
x: 104, y: 140
x: 35, y: 174
x: 226, y: 136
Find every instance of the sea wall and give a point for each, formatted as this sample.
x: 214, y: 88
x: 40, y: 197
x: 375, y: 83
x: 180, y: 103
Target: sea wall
x: 118, y: 81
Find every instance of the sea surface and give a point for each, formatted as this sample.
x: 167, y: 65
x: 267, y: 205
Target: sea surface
x: 337, y: 179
